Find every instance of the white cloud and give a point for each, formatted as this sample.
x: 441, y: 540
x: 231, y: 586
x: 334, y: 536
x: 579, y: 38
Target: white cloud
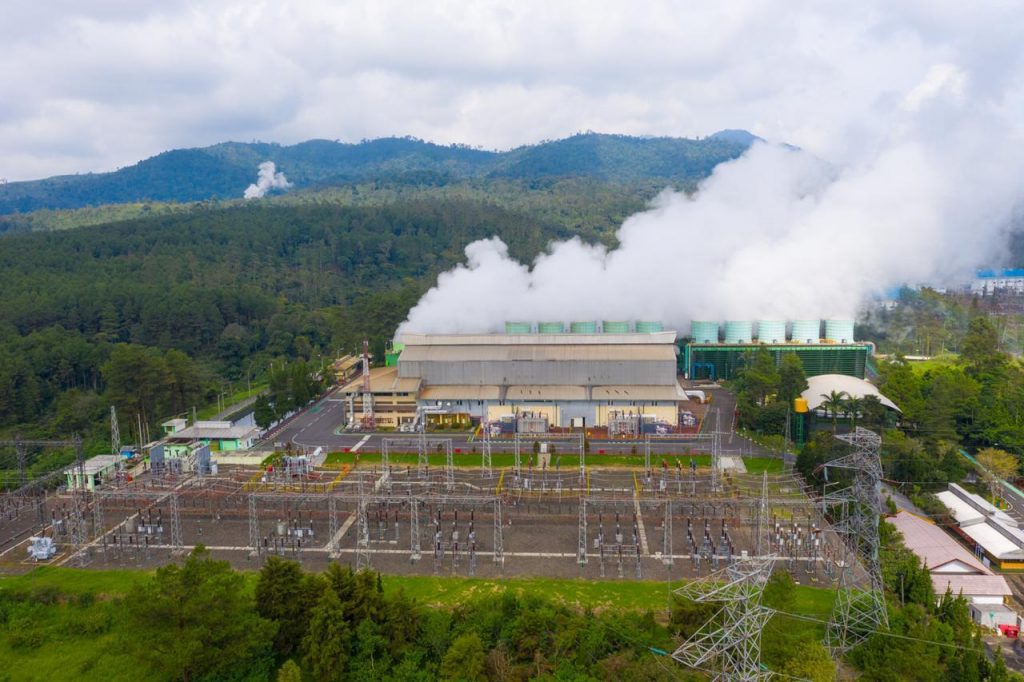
x: 117, y: 82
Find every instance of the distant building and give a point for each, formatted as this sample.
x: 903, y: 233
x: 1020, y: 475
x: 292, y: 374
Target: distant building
x: 992, y: 282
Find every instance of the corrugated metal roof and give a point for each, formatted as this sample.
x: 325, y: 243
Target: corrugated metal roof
x: 537, y: 353
x: 823, y: 384
x: 971, y: 585
x: 384, y: 380
x: 460, y: 392
x: 934, y: 545
x: 638, y: 393
x: 346, y: 363
x: 995, y: 540
x: 663, y: 337
x: 546, y: 393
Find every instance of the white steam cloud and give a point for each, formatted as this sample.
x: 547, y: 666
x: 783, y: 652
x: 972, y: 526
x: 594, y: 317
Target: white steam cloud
x: 267, y: 180
x: 926, y: 192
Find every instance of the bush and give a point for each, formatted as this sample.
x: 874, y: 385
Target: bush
x: 95, y: 621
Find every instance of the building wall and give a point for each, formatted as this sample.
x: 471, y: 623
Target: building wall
x: 727, y: 360
x: 661, y: 411
x: 541, y: 373
x: 561, y: 413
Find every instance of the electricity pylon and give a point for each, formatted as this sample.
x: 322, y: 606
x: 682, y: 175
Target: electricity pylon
x: 860, y: 604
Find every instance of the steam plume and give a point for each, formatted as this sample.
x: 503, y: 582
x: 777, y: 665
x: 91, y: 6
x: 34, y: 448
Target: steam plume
x: 927, y: 194
x: 267, y: 180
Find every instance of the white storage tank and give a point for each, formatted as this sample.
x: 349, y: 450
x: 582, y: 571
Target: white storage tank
x: 771, y: 331
x: 739, y: 331
x: 839, y: 330
x: 806, y: 331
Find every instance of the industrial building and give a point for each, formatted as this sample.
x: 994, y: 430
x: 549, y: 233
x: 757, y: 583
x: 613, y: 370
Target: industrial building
x: 533, y: 378
x: 93, y: 473
x: 953, y: 568
x: 994, y: 534
x: 718, y: 351
x: 623, y: 378
x: 221, y: 436
x: 393, y: 399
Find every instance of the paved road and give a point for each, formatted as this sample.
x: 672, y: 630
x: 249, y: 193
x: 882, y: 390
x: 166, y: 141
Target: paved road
x: 319, y: 426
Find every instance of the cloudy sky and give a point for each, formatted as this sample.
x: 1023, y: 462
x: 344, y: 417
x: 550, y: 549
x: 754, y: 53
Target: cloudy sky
x: 91, y: 86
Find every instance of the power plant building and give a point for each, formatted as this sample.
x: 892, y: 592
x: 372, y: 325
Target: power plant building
x: 716, y: 351
x: 558, y: 378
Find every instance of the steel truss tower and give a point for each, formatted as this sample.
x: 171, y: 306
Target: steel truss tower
x: 728, y: 646
x: 860, y: 604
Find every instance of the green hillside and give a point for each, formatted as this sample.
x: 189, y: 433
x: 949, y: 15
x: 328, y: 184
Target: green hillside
x: 225, y: 170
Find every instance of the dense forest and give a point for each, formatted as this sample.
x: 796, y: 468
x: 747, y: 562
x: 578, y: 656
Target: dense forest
x: 157, y: 313
x: 225, y: 170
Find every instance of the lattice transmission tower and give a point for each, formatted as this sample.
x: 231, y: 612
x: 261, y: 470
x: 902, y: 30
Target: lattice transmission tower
x: 728, y: 646
x: 860, y: 602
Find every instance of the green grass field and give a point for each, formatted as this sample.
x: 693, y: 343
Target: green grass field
x: 75, y: 626
x: 446, y: 591
x: 945, y: 360
x: 503, y: 461
x: 237, y: 397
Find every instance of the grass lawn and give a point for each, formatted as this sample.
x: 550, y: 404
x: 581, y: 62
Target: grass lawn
x: 500, y: 461
x: 443, y: 591
x: 945, y: 360
x: 74, y: 624
x: 237, y: 397
x: 757, y: 465
x: 503, y: 461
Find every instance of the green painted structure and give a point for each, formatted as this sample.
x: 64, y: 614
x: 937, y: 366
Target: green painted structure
x: 723, y: 361
x: 550, y: 327
x: 391, y: 354
x: 518, y: 327
x: 615, y: 327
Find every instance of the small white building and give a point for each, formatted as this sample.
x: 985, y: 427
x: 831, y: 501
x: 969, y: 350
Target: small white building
x: 95, y: 471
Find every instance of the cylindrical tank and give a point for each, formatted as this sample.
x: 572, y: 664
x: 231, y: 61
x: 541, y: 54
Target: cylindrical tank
x: 583, y: 327
x: 739, y: 331
x: 615, y: 327
x: 551, y: 327
x: 800, y: 405
x: 806, y: 331
x: 647, y: 327
x: 771, y: 331
x: 704, y: 331
x: 518, y: 327
x: 839, y: 331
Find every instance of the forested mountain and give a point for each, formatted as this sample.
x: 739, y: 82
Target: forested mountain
x: 156, y: 314
x: 225, y: 170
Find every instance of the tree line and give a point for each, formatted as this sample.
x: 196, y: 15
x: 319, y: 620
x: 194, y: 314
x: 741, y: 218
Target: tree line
x: 157, y: 314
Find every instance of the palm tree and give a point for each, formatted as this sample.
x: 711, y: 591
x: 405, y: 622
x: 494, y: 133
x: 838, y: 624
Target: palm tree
x: 832, y: 403
x: 853, y: 406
